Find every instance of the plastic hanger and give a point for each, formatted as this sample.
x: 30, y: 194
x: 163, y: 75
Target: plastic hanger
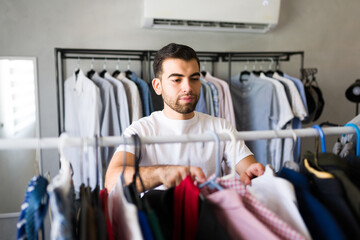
x: 244, y: 75
x: 233, y: 152
x: 102, y: 73
x: 128, y: 71
x: 91, y: 72
x: 295, y: 139
x: 117, y: 71
x: 97, y: 152
x: 270, y: 72
x: 211, y: 182
x: 357, y: 137
x: 322, y: 137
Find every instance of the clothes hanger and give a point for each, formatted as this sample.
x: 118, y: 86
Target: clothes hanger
x: 318, y: 174
x: 322, y: 137
x: 91, y: 72
x: 244, y: 75
x: 357, y: 136
x: 102, y: 73
x: 278, y: 71
x: 295, y: 139
x: 77, y: 70
x: 270, y: 72
x: 203, y: 69
x: 211, y: 182
x: 97, y: 152
x: 128, y: 71
x: 233, y: 152
x: 117, y: 71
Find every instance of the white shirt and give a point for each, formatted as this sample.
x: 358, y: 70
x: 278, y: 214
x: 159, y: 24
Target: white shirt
x: 194, y: 154
x: 123, y: 106
x: 123, y: 215
x: 82, y: 119
x: 278, y: 195
x: 297, y: 104
x: 133, y: 97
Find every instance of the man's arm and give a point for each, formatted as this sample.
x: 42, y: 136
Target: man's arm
x: 249, y: 168
x: 152, y: 176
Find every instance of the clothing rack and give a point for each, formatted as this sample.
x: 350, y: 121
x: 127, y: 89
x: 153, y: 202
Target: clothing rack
x: 146, y: 56
x: 37, y: 143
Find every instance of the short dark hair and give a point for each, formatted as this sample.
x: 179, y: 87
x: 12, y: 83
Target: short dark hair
x: 173, y: 50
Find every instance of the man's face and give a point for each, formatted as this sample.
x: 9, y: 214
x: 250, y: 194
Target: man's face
x: 180, y: 85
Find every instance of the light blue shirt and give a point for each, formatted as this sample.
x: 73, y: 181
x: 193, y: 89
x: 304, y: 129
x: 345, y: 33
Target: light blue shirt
x: 256, y: 108
x: 201, y: 104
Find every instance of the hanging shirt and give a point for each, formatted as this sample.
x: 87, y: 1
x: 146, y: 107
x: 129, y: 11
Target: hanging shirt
x: 195, y: 154
x: 235, y: 218
x: 186, y: 208
x: 209, y: 102
x: 278, y: 195
x: 219, y: 100
x: 256, y: 109
x: 122, y: 103
x: 227, y: 111
x: 201, y: 104
x: 145, y: 94
x: 123, y: 215
x: 109, y: 119
x: 285, y: 116
x: 215, y: 95
x: 82, y: 119
x: 317, y: 218
x: 296, y: 123
x: 297, y: 105
x: 133, y: 98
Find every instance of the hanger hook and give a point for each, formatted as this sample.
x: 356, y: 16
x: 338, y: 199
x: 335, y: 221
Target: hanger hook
x: 105, y: 60
x: 92, y: 63
x: 295, y: 138
x: 78, y: 63
x: 271, y: 63
x: 357, y: 136
x: 322, y: 137
x: 129, y: 62
x: 117, y: 64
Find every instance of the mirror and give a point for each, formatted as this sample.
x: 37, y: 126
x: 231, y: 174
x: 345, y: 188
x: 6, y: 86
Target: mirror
x: 19, y: 118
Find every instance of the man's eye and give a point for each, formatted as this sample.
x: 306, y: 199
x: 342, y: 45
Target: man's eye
x: 195, y: 79
x: 176, y: 80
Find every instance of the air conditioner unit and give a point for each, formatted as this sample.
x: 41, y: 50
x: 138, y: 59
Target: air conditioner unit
x: 212, y: 15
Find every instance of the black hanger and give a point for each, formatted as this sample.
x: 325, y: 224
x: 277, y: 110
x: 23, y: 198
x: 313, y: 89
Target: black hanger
x: 128, y: 74
x: 244, y: 76
x: 134, y: 196
x: 102, y: 73
x: 203, y: 73
x: 90, y: 73
x: 116, y: 73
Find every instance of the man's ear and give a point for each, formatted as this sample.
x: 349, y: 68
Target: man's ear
x: 156, y: 83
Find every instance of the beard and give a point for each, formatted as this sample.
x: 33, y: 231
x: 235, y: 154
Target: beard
x: 175, y: 104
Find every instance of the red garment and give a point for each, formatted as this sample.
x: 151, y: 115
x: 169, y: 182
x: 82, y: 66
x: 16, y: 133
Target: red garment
x: 186, y: 209
x: 104, y: 203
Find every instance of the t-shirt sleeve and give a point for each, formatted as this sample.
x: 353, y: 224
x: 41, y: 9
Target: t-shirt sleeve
x: 241, y: 151
x: 127, y: 147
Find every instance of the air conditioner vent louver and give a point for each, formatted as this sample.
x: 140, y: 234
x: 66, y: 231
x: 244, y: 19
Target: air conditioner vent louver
x: 208, y: 25
x: 253, y: 16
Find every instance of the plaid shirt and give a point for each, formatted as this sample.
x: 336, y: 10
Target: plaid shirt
x: 267, y: 217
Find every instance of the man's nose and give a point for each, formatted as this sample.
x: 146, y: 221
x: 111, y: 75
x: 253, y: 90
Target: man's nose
x: 186, y: 85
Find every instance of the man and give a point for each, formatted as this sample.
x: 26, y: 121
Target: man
x: 177, y: 79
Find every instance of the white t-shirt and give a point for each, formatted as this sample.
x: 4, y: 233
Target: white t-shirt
x: 196, y: 154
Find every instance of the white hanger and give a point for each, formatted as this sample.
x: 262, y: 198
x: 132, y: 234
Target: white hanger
x: 233, y: 143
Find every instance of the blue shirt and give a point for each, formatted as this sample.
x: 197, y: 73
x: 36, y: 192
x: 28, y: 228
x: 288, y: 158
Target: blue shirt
x: 201, y: 104
x: 145, y: 94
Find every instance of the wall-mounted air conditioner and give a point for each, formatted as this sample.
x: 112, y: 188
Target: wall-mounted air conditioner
x: 212, y: 15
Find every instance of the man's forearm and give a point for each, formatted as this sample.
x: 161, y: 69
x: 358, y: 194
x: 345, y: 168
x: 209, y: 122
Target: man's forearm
x: 149, y: 175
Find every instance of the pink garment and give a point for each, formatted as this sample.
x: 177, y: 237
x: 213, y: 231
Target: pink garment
x: 228, y: 110
x: 266, y: 216
x: 235, y: 218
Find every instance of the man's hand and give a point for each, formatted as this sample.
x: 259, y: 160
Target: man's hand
x: 254, y: 170
x: 172, y: 175
x: 249, y: 168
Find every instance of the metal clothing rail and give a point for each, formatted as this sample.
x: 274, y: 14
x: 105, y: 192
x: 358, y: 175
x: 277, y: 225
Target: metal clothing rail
x: 146, y: 56
x: 42, y: 143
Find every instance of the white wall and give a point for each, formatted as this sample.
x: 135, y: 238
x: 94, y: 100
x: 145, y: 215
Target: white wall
x: 327, y: 30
